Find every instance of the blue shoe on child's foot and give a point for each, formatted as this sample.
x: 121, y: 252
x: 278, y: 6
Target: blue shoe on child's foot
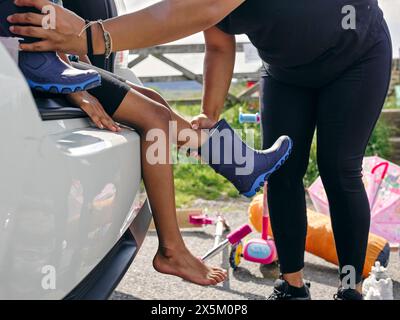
x: 45, y: 71
x: 247, y: 169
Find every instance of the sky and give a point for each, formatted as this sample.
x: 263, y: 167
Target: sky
x: 391, y: 10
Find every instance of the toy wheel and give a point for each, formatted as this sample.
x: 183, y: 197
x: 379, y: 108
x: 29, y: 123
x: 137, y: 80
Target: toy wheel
x: 236, y: 255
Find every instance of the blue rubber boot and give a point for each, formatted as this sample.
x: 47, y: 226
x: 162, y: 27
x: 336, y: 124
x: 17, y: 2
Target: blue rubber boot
x: 247, y: 169
x: 45, y: 71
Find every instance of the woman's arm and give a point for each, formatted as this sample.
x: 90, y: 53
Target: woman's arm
x: 218, y: 70
x: 162, y: 22
x: 167, y: 21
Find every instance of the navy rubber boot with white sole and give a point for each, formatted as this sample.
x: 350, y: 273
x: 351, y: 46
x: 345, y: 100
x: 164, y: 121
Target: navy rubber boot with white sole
x: 45, y: 71
x: 247, y: 169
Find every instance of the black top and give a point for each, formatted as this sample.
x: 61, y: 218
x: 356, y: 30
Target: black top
x: 290, y: 33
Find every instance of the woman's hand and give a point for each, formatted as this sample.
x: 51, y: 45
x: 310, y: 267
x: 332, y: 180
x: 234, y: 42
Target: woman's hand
x: 64, y: 38
x: 94, y: 110
x: 162, y: 22
x: 202, y: 121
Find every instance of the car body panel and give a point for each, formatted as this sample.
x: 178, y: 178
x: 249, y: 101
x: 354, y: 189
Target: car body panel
x: 68, y: 193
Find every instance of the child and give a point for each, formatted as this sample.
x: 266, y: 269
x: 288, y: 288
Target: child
x: 149, y: 113
x: 146, y: 110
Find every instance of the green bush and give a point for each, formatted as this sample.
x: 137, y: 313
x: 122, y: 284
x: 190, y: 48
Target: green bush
x: 379, y: 143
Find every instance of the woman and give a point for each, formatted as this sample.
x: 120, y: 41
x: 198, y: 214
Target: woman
x: 326, y: 65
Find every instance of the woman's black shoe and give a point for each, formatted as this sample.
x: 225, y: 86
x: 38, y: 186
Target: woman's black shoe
x: 284, y: 291
x: 348, y: 294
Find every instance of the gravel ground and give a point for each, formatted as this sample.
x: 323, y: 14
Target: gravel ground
x: 248, y: 282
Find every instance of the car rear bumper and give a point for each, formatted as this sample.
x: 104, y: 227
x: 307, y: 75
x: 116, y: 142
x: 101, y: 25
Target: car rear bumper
x: 105, y: 277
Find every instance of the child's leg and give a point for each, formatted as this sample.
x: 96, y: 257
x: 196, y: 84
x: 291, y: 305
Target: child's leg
x: 172, y: 257
x: 253, y: 169
x: 196, y: 138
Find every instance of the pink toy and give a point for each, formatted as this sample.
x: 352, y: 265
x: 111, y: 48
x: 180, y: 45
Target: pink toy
x: 261, y: 250
x: 238, y: 234
x: 382, y: 183
x: 256, y: 250
x: 201, y: 220
x: 221, y: 225
x: 231, y: 239
x: 205, y: 220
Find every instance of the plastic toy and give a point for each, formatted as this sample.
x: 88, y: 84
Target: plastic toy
x: 232, y: 238
x: 381, y: 179
x: 249, y: 118
x: 378, y: 286
x: 221, y: 225
x: 260, y: 250
x: 203, y: 220
x: 320, y: 241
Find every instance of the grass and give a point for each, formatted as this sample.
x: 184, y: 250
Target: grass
x: 200, y: 181
x: 193, y: 181
x: 188, y: 111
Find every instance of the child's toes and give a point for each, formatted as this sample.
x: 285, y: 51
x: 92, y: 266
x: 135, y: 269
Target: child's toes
x: 211, y: 281
x: 217, y: 269
x: 220, y: 272
x: 218, y: 276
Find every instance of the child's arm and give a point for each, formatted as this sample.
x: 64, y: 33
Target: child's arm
x: 94, y: 110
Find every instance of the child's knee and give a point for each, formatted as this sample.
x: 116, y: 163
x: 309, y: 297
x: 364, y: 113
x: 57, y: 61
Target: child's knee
x: 155, y: 96
x: 158, y: 116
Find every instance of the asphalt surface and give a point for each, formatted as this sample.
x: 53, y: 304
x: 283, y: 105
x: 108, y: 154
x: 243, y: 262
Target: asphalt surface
x: 250, y: 281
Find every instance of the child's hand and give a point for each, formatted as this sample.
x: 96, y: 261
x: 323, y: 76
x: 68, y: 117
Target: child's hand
x: 202, y: 121
x: 94, y: 110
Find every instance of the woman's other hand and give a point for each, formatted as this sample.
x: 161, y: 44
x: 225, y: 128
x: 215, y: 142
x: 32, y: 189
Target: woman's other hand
x: 202, y: 121
x: 94, y: 110
x: 63, y: 36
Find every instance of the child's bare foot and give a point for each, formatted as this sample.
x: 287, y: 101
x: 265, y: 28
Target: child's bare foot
x: 183, y: 264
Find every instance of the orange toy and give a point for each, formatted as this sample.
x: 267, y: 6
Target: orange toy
x: 320, y: 240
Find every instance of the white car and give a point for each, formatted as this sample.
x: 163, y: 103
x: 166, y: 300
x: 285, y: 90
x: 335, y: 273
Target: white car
x: 72, y: 216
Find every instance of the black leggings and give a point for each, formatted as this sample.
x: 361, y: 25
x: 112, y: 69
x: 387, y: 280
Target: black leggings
x: 344, y: 112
